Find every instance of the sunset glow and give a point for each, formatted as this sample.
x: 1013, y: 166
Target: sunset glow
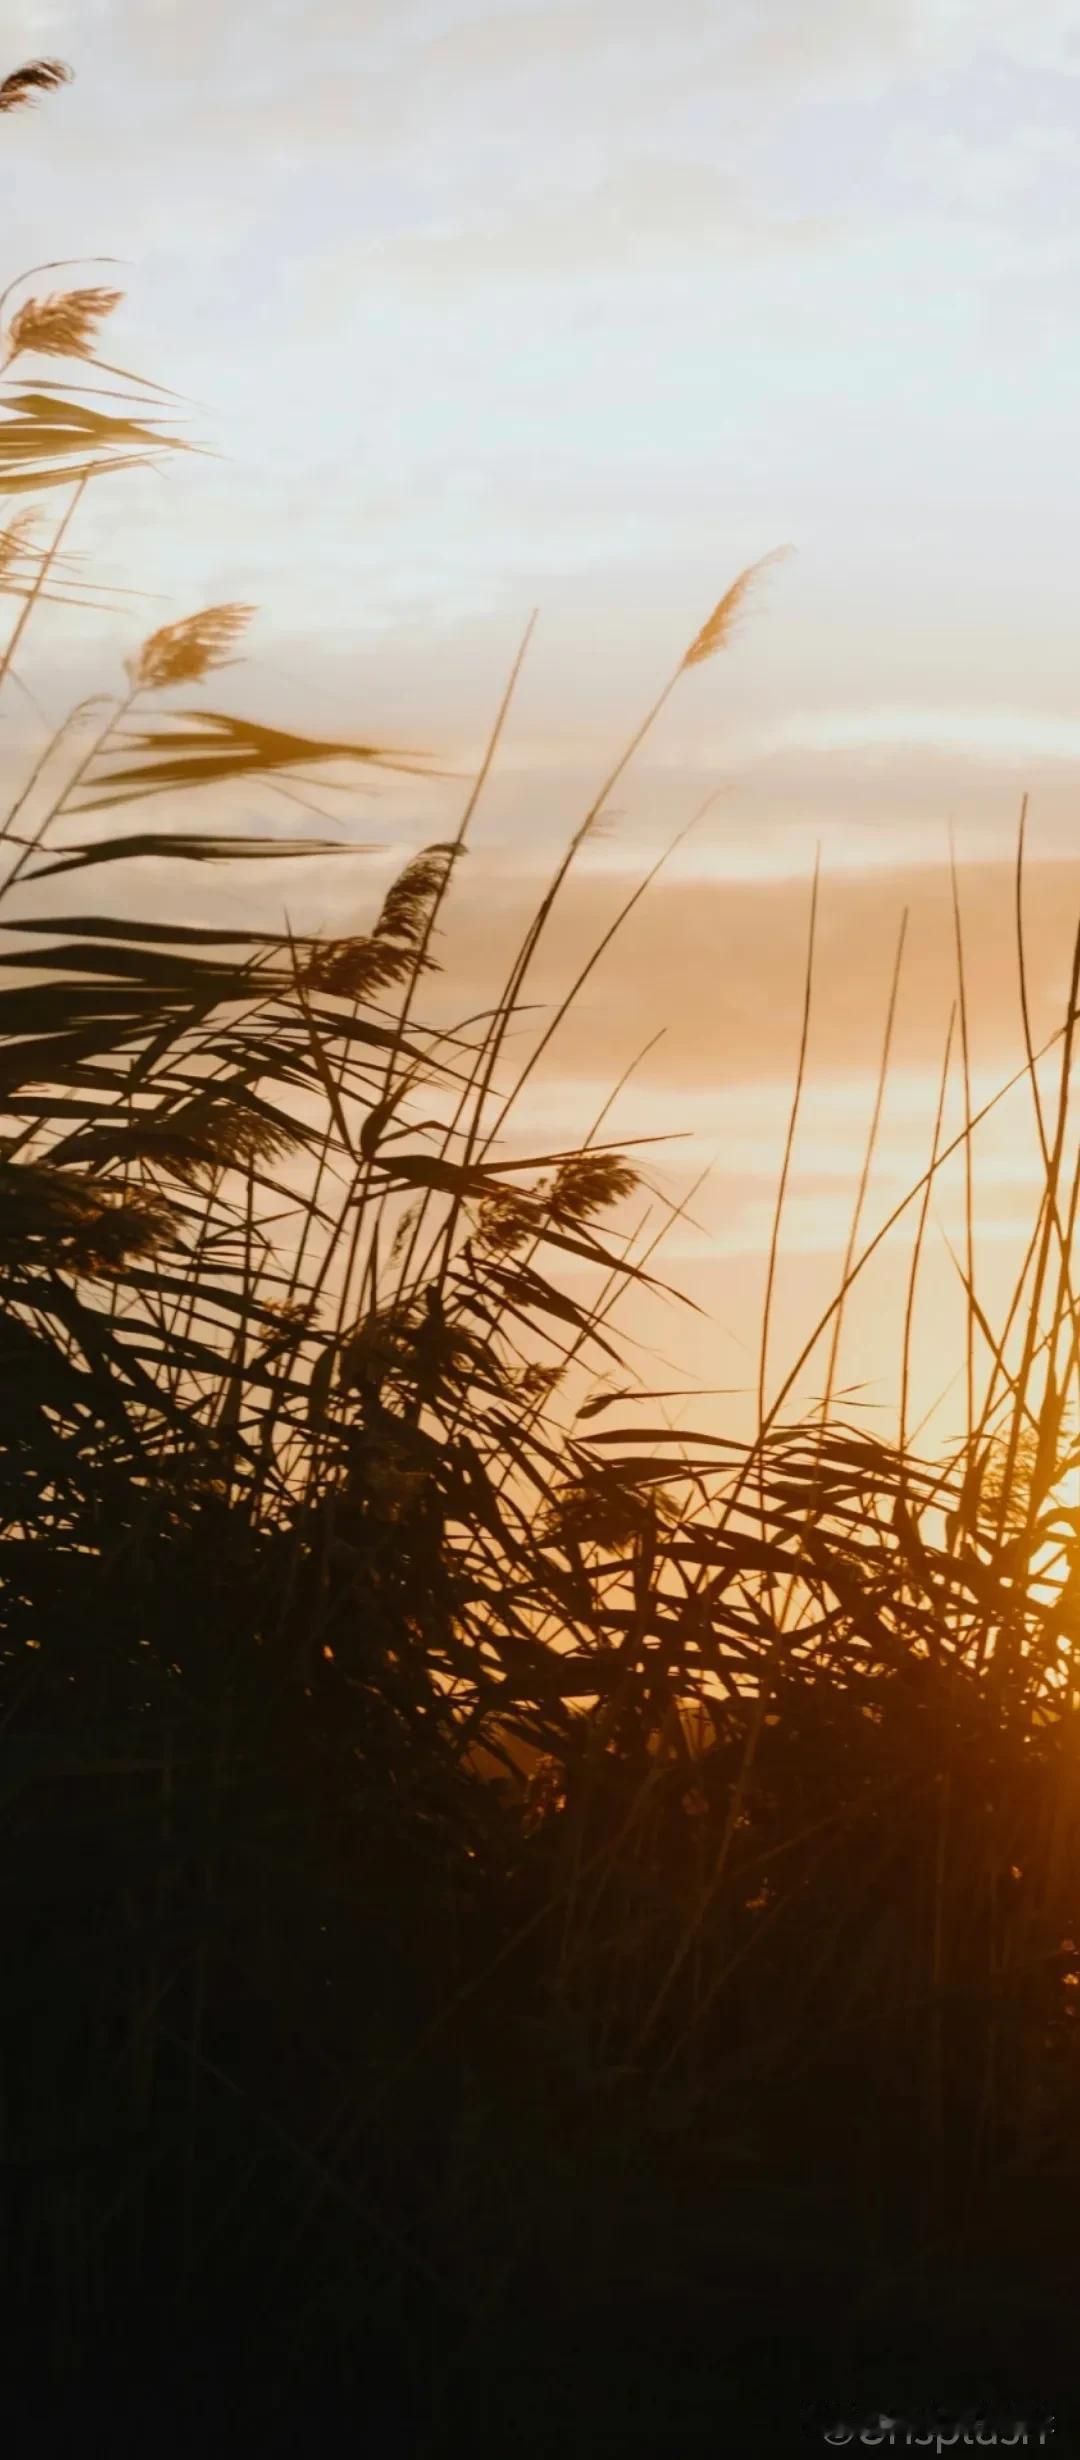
x: 586, y: 311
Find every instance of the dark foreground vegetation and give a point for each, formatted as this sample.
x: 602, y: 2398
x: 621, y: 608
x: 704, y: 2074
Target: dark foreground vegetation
x: 518, y: 1931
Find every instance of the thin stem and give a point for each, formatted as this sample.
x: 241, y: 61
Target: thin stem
x: 45, y: 564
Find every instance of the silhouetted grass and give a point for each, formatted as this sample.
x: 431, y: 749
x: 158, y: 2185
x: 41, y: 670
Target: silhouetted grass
x: 515, y: 1925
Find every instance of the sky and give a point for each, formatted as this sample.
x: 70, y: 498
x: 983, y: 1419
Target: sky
x: 584, y: 308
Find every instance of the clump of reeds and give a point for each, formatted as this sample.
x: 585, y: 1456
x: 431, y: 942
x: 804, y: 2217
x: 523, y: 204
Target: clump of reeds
x: 625, y: 1858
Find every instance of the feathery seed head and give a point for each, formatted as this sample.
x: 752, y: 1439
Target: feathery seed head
x: 76, y: 1224
x: 603, y: 1511
x: 357, y: 968
x: 185, y: 652
x: 404, y: 1232
x: 716, y: 634
x: 506, y: 1221
x: 536, y: 1383
x: 38, y: 77
x: 406, y: 904
x: 15, y: 544
x: 588, y: 1183
x: 201, y: 1140
x: 63, y: 326
x: 121, y: 1233
x: 354, y: 969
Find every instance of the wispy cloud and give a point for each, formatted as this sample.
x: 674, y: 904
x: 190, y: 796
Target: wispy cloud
x: 1013, y: 736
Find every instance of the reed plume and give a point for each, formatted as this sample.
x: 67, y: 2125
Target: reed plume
x: 193, y: 1143
x: 184, y: 652
x: 15, y: 548
x: 408, y: 902
x: 357, y: 968
x: 64, y: 325
x: 18, y: 90
x: 716, y: 633
x: 589, y: 1183
x: 75, y: 1224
